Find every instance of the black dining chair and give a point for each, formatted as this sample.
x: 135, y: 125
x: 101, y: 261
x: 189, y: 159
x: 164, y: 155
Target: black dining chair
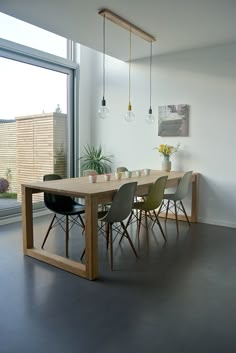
x: 67, y: 212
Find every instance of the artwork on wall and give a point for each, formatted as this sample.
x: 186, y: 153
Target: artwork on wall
x: 173, y: 120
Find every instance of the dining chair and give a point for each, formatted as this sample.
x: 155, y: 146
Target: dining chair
x: 119, y: 210
x: 67, y: 212
x: 121, y: 169
x: 174, y: 200
x: 147, y: 207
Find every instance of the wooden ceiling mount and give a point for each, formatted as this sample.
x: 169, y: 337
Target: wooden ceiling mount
x: 126, y: 25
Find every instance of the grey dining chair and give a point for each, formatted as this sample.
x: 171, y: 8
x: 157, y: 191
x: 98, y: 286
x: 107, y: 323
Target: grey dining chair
x: 121, y: 169
x: 119, y: 210
x: 174, y: 200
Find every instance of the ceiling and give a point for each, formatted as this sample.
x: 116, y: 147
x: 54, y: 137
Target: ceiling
x: 176, y: 24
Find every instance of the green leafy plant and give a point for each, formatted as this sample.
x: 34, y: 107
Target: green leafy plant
x: 95, y: 159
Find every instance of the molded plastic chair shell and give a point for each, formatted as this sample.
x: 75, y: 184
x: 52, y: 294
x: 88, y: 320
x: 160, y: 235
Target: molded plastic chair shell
x: 121, y: 205
x: 121, y: 169
x: 177, y: 197
x: 182, y: 189
x: 151, y: 202
x: 64, y: 206
x: 120, y: 209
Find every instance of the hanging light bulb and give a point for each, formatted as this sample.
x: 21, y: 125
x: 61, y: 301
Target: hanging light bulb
x: 129, y: 115
x: 103, y: 111
x: 150, y: 117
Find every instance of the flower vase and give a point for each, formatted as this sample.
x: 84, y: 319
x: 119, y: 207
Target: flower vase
x: 166, y: 164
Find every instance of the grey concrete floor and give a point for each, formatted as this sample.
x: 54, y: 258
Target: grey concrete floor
x: 178, y: 297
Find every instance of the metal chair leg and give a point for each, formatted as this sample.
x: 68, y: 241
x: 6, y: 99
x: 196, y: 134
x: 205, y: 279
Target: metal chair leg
x: 48, y: 231
x: 111, y: 247
x: 129, y: 239
x: 159, y: 224
x: 176, y: 217
x: 185, y: 213
x: 67, y: 235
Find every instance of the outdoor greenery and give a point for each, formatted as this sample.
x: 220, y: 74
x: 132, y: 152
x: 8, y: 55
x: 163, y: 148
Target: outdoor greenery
x: 94, y: 158
x: 8, y: 195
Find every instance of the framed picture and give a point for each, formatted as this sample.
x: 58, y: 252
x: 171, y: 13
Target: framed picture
x: 173, y: 120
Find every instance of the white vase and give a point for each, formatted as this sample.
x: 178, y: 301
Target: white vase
x: 166, y: 164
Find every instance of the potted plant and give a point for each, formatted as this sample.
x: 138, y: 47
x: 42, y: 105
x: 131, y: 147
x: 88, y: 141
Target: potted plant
x: 94, y: 158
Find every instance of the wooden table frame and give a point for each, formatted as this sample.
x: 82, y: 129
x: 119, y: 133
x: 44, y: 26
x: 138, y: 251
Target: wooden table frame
x: 93, y: 194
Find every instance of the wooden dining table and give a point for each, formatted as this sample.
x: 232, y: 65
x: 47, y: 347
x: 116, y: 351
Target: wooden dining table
x: 93, y: 194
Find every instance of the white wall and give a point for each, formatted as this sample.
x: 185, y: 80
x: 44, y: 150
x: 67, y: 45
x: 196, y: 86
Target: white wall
x: 203, y: 78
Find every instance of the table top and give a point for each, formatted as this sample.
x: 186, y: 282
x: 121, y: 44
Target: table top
x: 82, y: 187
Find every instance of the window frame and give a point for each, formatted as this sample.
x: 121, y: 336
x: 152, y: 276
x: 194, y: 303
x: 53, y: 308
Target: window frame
x: 21, y: 53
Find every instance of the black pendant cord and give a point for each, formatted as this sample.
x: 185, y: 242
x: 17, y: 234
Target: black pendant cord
x: 129, y: 63
x: 104, y: 50
x: 150, y: 73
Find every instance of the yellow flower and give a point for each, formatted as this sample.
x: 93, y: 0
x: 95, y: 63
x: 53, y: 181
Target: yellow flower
x: 167, y: 150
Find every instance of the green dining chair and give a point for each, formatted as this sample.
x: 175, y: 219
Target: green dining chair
x: 174, y: 200
x: 151, y: 202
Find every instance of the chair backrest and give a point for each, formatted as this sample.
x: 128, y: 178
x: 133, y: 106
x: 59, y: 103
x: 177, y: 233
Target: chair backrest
x: 183, y: 187
x: 121, y: 169
x: 88, y: 172
x: 155, y: 195
x: 122, y: 203
x: 56, y: 202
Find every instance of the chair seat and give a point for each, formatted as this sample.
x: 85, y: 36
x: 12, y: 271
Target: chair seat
x: 171, y: 197
x: 69, y: 210
x: 101, y: 215
x: 140, y: 205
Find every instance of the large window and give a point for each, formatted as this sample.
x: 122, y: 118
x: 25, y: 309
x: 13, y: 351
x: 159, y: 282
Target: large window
x: 26, y: 34
x: 36, y: 119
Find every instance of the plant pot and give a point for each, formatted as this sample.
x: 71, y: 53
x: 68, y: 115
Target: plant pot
x: 166, y: 164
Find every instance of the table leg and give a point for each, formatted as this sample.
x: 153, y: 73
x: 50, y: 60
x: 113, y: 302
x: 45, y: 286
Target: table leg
x: 27, y: 219
x: 194, y: 206
x: 91, y: 237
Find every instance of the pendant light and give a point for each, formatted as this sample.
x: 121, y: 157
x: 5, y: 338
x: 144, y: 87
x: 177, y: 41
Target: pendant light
x: 150, y: 117
x: 129, y: 115
x: 103, y: 111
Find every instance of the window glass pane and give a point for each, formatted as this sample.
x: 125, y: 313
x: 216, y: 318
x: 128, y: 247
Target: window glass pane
x: 26, y: 34
x: 33, y: 127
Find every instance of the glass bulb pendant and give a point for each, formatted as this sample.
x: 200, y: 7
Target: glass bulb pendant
x: 129, y: 115
x: 103, y: 111
x: 150, y: 118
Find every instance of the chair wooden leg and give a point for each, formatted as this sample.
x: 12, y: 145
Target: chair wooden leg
x: 129, y: 239
x: 185, y: 213
x: 67, y: 235
x: 111, y: 247
x: 48, y: 231
x: 176, y: 217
